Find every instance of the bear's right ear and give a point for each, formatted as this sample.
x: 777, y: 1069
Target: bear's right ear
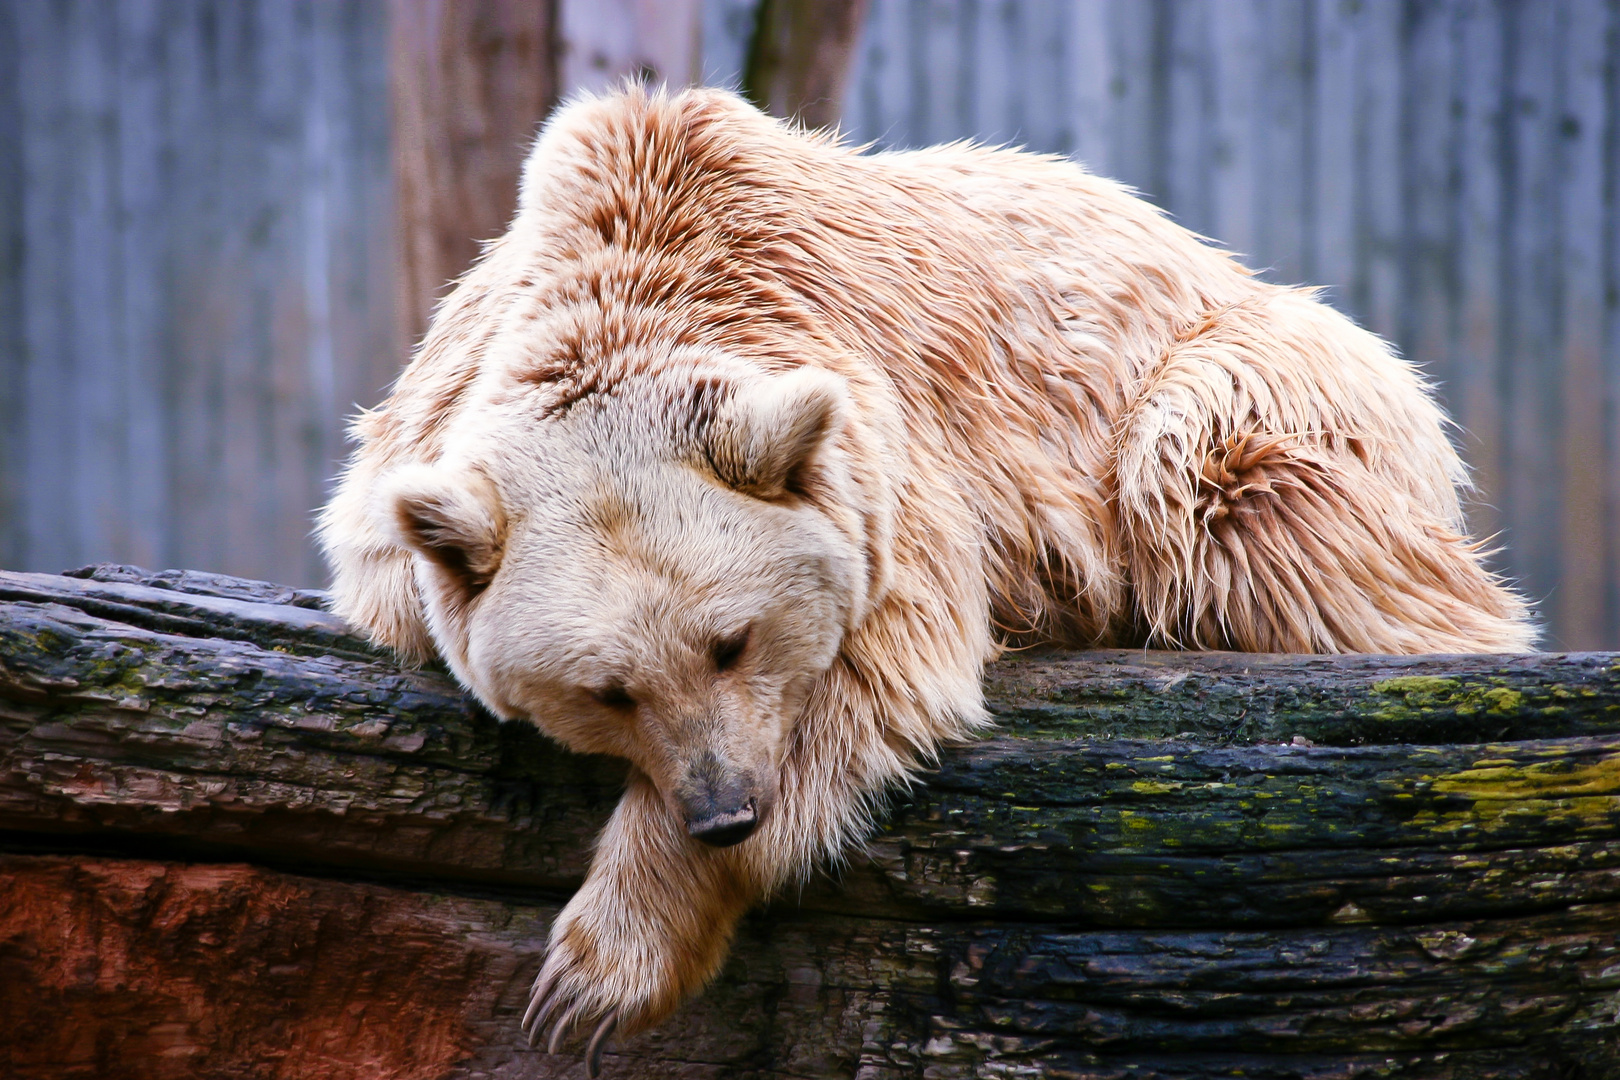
x: 770, y: 429
x: 455, y: 518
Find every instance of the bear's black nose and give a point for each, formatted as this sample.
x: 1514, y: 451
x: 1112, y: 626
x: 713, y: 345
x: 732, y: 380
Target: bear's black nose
x: 724, y: 830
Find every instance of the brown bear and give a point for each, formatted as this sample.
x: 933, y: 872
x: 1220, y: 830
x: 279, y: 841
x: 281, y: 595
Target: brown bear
x: 742, y: 451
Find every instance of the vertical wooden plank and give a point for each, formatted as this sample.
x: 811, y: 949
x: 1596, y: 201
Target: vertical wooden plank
x: 337, y: 164
x: 1302, y: 114
x: 216, y: 218
x: 260, y: 407
x: 1137, y: 39
x: 367, y: 348
x: 799, y: 61
x: 1428, y: 131
x: 1000, y: 84
x: 204, y: 287
x: 1160, y: 17
x: 1375, y: 287
x: 896, y: 83
x: 1090, y: 83
x: 341, y: 216
x: 1531, y: 330
x: 1333, y: 135
x: 1581, y: 616
x: 601, y: 42
x: 966, y: 88
x: 880, y: 93
x: 1043, y: 64
x: 270, y: 76
x: 94, y: 303
x: 471, y: 81
x: 1607, y: 217
x: 1189, y: 112
x: 13, y: 359
x: 950, y: 70
x: 137, y: 255
x: 920, y: 57
x: 936, y: 69
x: 728, y: 31
x: 310, y: 366
x: 1234, y: 180
x: 1477, y: 354
x: 58, y: 148
x: 1282, y: 150
x: 304, y: 375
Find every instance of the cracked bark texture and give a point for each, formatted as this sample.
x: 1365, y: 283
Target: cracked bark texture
x: 234, y: 841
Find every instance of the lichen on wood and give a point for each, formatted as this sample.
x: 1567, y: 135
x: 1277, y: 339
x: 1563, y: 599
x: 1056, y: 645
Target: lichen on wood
x: 237, y: 838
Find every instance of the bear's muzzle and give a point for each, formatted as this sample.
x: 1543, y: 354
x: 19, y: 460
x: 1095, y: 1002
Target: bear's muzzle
x: 725, y: 829
x: 721, y: 807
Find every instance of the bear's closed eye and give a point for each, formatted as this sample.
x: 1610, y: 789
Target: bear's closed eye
x: 727, y: 651
x: 614, y: 697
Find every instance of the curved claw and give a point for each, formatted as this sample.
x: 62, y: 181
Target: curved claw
x: 565, y: 1024
x: 593, y: 1054
x: 539, y: 1003
x: 538, y: 1031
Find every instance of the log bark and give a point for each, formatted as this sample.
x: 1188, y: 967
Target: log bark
x: 234, y: 841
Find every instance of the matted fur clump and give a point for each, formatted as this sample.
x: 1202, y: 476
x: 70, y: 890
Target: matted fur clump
x: 739, y: 454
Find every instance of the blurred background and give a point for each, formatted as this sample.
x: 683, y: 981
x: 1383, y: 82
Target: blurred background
x: 223, y: 223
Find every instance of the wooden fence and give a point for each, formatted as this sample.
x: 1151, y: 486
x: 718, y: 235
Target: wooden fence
x: 198, y: 254
x: 196, y: 215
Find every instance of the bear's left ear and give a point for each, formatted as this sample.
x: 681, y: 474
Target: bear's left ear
x: 770, y: 429
x: 454, y: 517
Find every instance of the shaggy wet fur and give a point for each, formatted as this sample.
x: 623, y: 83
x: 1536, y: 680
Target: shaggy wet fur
x: 983, y: 395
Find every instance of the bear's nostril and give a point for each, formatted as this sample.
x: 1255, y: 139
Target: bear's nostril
x: 724, y: 830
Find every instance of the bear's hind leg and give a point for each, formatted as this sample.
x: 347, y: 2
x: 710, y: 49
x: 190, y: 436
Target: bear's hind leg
x: 1246, y: 529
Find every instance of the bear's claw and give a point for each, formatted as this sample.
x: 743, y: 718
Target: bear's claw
x: 544, y: 1002
x: 593, y: 1053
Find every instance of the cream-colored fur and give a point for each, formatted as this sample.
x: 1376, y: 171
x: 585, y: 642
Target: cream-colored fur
x: 741, y: 451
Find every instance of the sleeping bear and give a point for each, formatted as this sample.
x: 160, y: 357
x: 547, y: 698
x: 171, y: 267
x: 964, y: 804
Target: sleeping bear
x: 742, y: 452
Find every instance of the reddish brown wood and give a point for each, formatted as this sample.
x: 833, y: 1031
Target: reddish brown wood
x: 471, y: 82
x: 124, y: 970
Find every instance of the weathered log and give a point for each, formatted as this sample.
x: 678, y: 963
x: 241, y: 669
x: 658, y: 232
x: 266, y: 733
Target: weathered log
x: 238, y: 842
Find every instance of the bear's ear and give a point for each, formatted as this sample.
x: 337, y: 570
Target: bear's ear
x: 770, y: 429
x: 453, y: 517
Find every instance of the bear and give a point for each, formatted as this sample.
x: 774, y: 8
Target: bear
x: 743, y: 450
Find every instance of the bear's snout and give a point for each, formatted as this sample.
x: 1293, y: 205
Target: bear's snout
x: 721, y: 807
x: 726, y: 828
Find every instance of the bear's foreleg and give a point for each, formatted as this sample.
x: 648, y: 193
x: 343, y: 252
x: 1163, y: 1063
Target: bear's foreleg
x: 655, y: 917
x: 651, y: 925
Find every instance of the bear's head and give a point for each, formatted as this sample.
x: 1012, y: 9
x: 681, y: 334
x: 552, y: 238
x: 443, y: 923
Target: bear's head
x: 659, y: 570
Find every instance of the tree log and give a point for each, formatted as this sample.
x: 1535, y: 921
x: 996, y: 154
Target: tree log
x: 234, y: 841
